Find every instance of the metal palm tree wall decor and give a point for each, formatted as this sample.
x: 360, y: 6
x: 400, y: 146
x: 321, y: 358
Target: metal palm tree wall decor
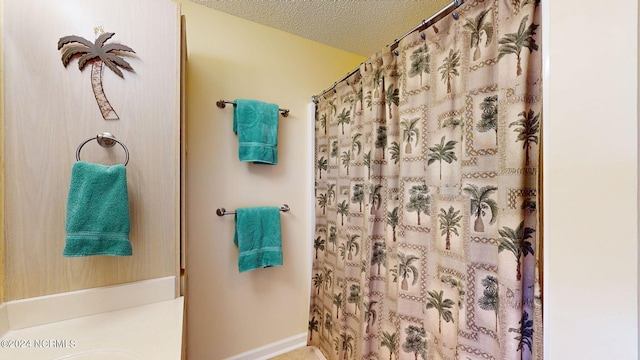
x: 97, y: 54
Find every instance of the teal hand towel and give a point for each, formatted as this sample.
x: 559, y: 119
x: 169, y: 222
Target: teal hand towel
x: 97, y: 211
x: 256, y: 124
x: 258, y: 237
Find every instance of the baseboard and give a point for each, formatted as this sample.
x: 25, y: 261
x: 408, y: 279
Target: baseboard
x: 274, y: 349
x: 74, y: 304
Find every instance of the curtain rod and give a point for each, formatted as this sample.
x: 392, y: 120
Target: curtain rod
x: 424, y: 24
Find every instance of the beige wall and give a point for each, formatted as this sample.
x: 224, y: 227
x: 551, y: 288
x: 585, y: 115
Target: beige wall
x: 590, y: 169
x: 228, y: 312
x: 49, y: 110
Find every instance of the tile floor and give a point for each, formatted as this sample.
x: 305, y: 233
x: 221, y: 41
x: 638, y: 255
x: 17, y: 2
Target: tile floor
x: 304, y: 353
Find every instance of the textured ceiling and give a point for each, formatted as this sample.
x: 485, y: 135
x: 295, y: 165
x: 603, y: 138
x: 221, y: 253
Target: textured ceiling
x: 361, y: 27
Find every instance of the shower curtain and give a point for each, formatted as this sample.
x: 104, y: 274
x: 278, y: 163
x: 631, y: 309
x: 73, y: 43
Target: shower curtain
x: 427, y: 235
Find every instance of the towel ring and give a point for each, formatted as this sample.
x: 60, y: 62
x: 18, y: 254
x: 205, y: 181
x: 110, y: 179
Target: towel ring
x: 105, y: 140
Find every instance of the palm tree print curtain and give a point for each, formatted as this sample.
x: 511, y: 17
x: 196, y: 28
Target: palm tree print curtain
x: 427, y: 195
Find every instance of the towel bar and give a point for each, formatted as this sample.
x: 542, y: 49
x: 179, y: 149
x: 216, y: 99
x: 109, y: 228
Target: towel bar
x: 105, y: 140
x: 223, y: 211
x: 222, y: 104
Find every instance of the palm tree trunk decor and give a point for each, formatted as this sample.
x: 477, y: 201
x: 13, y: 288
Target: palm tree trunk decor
x: 431, y: 243
x: 98, y: 54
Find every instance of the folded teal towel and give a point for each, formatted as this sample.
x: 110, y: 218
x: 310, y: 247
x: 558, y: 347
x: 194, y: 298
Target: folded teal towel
x: 258, y: 237
x: 97, y: 211
x: 256, y: 124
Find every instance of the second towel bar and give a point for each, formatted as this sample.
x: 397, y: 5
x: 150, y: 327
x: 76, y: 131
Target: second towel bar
x: 223, y: 211
x: 222, y: 104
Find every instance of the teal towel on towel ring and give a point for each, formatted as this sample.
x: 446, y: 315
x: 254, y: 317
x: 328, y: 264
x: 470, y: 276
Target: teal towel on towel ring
x: 256, y: 124
x: 258, y: 237
x: 98, y: 219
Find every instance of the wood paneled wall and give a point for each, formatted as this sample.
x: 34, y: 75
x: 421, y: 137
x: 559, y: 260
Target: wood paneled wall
x: 49, y: 110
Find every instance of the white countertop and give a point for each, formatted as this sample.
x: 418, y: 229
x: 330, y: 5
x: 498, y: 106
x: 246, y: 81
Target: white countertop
x: 152, y: 332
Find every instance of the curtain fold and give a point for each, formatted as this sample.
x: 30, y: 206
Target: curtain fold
x: 427, y: 195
